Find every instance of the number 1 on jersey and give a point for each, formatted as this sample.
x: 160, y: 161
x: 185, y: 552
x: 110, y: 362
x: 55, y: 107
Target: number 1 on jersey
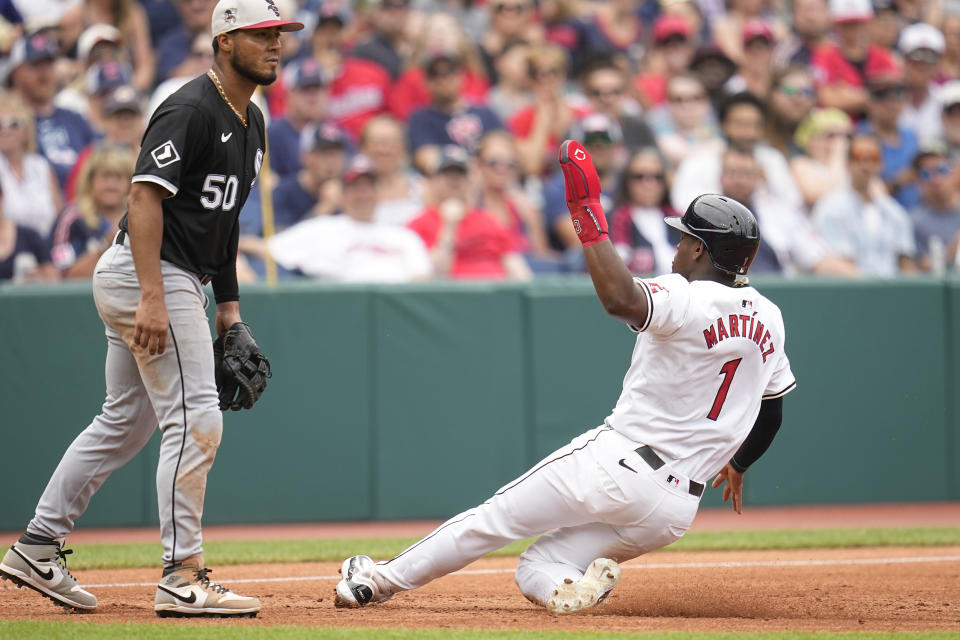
x: 727, y: 371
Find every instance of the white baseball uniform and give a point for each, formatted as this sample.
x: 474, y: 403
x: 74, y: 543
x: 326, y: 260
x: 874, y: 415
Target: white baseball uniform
x: 705, y: 357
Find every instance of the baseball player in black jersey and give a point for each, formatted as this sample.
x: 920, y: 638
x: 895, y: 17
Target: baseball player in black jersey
x: 200, y: 156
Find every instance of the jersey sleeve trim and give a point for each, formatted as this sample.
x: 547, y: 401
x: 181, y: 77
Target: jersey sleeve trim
x: 146, y: 177
x: 779, y: 394
x: 646, y: 292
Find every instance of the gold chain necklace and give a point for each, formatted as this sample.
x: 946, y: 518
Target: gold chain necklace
x: 216, y: 81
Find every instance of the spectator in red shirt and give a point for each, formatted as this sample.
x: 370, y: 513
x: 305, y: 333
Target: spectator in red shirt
x: 465, y: 243
x: 358, y: 88
x: 841, y: 69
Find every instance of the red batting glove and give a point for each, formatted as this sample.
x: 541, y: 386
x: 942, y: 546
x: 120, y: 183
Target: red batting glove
x: 583, y: 193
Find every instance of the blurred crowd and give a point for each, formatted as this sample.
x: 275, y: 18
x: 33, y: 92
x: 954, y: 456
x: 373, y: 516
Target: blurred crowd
x: 417, y: 139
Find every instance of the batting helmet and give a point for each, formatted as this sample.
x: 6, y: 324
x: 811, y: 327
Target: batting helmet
x: 726, y: 227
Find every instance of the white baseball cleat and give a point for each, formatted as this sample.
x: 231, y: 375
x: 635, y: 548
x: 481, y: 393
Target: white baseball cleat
x: 187, y: 592
x: 593, y: 588
x: 43, y: 568
x: 357, y: 587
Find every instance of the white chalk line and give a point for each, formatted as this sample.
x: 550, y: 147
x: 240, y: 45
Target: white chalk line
x: 652, y: 565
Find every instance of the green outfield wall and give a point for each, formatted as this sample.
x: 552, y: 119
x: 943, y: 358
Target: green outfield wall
x: 420, y: 401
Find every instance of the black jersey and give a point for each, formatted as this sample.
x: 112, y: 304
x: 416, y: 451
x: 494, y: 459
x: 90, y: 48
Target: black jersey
x: 196, y: 148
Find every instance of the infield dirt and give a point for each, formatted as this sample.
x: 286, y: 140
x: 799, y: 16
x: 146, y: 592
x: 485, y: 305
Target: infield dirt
x: 889, y: 589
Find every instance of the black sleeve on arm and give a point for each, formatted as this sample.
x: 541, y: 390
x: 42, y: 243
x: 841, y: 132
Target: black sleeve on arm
x: 225, y: 287
x: 758, y: 440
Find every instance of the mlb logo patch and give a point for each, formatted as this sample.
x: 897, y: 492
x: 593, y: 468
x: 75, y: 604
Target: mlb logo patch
x: 165, y: 155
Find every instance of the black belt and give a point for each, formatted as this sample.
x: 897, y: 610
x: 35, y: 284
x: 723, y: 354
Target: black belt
x: 204, y: 277
x: 651, y: 458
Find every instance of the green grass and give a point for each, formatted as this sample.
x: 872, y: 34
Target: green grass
x: 334, y: 550
x: 72, y: 630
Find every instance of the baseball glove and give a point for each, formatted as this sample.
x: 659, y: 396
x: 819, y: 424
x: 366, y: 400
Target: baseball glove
x: 240, y: 368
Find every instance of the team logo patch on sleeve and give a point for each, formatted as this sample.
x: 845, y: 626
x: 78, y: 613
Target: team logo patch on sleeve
x: 165, y: 155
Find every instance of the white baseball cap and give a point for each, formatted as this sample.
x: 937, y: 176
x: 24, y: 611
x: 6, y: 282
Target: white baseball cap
x: 230, y: 15
x: 94, y: 35
x: 949, y: 94
x: 921, y: 36
x: 851, y: 10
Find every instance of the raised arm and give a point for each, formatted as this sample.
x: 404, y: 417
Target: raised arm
x: 620, y: 295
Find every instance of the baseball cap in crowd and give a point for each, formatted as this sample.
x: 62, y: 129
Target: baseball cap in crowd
x: 105, y: 76
x: 436, y: 63
x: 596, y: 128
x: 930, y: 148
x: 360, y: 166
x: 851, y: 10
x: 121, y: 99
x: 305, y: 74
x: 922, y: 42
x: 40, y: 47
x: 711, y: 53
x: 94, y: 35
x: 755, y: 28
x: 452, y: 158
x: 950, y: 94
x: 322, y: 137
x: 332, y: 11
x: 229, y: 15
x: 671, y: 26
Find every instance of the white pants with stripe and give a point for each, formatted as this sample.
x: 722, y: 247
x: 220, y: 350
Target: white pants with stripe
x: 587, y: 502
x: 175, y: 390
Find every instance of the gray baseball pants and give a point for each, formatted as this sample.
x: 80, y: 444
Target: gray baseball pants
x: 175, y: 390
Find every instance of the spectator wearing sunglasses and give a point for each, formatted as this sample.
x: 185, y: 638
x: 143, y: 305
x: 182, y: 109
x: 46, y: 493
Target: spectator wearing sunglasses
x: 30, y: 188
x: 685, y: 121
x: 541, y: 127
x: 936, y: 220
x: 790, y: 101
x: 922, y: 46
x: 60, y: 133
x: 606, y: 88
x: 637, y: 230
x: 888, y: 94
x: 861, y: 222
x: 821, y: 165
x: 499, y: 193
